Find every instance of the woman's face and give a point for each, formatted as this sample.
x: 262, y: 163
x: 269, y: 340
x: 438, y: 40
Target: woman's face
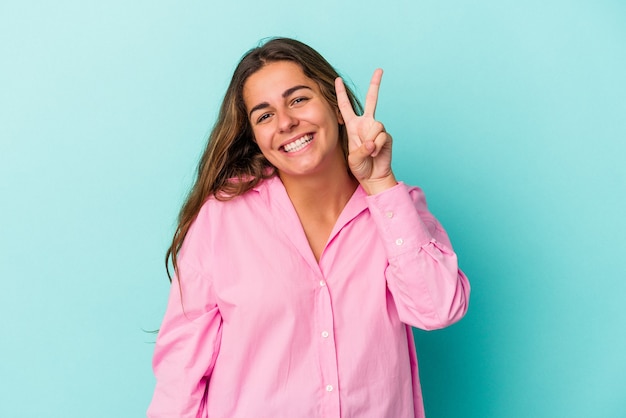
x: 293, y: 124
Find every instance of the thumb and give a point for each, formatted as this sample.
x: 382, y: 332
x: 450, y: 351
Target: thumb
x: 364, y: 151
x: 358, y: 157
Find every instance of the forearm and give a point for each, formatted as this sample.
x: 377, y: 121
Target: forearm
x: 429, y: 289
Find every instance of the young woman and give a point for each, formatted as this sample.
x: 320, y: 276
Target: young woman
x: 300, y: 262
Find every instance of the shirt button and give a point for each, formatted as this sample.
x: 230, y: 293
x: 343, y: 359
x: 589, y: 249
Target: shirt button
x: 322, y: 283
x: 325, y: 334
x: 399, y: 241
x: 389, y: 214
x: 329, y: 388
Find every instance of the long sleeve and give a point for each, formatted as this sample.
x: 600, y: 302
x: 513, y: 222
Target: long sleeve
x: 429, y: 289
x: 186, y: 347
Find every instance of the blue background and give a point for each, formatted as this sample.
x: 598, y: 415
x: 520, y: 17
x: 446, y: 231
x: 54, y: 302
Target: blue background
x: 511, y: 115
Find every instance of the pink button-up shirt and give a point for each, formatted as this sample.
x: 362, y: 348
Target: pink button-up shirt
x: 259, y: 328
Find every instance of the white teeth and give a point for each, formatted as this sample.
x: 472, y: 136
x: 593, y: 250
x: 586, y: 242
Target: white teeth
x: 298, y: 144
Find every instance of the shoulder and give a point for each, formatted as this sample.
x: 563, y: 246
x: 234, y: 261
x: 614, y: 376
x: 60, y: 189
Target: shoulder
x: 217, y: 208
x: 219, y: 220
x: 203, y: 236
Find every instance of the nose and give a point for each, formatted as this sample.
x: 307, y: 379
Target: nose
x: 286, y: 121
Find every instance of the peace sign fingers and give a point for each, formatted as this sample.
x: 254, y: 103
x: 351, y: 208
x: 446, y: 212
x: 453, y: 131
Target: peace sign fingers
x: 369, y: 145
x: 371, y: 98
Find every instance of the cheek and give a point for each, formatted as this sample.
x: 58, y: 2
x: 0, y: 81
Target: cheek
x: 261, y: 138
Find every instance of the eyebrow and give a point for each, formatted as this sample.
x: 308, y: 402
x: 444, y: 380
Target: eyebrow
x: 285, y: 94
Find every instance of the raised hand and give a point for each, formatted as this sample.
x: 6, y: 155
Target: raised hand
x: 369, y: 145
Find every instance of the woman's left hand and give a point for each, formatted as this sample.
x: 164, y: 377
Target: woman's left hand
x: 369, y: 145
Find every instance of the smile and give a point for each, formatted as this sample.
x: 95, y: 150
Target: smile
x: 298, y: 144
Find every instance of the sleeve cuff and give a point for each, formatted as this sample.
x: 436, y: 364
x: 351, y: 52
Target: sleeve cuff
x: 398, y: 221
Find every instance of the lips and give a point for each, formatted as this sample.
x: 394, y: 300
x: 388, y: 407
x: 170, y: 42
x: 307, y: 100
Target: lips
x: 298, y: 144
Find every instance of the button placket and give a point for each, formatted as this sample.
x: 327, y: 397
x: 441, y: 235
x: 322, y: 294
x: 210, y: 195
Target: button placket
x: 326, y: 348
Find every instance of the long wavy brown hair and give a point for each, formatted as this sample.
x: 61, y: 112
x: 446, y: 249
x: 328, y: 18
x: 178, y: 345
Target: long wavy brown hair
x: 232, y: 163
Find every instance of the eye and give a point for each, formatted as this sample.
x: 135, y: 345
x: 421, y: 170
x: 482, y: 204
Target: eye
x: 299, y: 100
x: 263, y: 117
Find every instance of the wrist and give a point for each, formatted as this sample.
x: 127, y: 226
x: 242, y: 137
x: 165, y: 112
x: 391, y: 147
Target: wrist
x: 376, y: 186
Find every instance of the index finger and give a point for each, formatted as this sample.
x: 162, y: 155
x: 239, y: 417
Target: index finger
x: 371, y: 98
x: 343, y: 101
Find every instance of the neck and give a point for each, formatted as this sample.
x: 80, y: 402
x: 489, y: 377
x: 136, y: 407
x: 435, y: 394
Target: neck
x: 322, y: 195
x: 319, y: 198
